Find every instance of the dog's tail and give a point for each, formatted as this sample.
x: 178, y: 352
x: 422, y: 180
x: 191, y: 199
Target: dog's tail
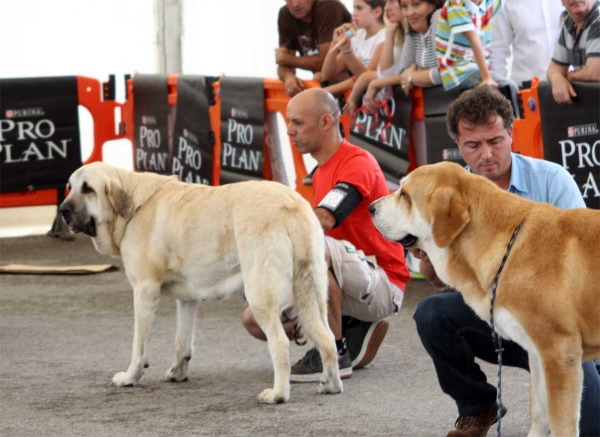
x: 310, y: 280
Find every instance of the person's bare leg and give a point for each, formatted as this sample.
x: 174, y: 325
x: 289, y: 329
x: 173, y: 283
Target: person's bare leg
x: 334, y: 306
x: 251, y: 325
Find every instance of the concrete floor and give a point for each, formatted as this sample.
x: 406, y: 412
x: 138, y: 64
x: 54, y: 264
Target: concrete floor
x: 63, y: 337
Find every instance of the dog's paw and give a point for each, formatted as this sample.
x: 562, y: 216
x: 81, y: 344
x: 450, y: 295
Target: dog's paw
x: 124, y: 379
x: 177, y: 373
x: 270, y: 396
x: 331, y: 386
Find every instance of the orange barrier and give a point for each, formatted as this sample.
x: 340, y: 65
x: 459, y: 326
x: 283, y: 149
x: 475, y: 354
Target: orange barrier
x: 527, y: 135
x: 93, y: 96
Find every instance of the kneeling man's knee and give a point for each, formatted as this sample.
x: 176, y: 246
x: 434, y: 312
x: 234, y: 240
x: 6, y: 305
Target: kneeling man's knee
x: 429, y: 313
x: 251, y: 324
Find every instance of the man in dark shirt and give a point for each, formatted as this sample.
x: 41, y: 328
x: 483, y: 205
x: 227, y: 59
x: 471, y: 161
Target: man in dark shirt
x: 306, y: 28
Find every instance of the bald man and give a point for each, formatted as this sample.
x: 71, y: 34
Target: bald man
x: 367, y: 273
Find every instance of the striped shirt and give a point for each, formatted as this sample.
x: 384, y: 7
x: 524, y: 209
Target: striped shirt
x: 573, y: 49
x: 419, y: 49
x: 456, y: 60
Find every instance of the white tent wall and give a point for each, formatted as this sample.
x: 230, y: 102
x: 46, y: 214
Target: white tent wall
x: 98, y: 38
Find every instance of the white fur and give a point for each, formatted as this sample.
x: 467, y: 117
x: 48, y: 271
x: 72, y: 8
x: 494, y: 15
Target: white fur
x: 200, y: 243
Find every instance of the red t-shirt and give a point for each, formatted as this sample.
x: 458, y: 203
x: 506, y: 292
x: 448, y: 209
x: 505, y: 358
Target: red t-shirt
x: 357, y: 167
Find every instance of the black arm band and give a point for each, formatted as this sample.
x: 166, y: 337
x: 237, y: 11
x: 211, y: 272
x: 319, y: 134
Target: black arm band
x: 341, y: 201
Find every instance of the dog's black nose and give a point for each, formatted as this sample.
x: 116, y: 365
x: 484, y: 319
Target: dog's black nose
x: 65, y: 211
x: 372, y: 209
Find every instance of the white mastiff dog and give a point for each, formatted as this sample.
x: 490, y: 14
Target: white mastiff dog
x: 198, y: 243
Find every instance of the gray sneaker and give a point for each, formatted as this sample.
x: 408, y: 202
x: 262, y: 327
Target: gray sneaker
x: 363, y: 340
x: 310, y: 367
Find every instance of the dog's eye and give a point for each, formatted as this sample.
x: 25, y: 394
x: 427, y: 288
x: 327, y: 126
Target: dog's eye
x: 86, y: 189
x: 68, y: 187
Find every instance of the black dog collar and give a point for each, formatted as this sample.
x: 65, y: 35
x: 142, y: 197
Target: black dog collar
x: 408, y: 241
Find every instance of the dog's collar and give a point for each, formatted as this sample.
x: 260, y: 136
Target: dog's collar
x: 408, y: 241
x: 497, y: 339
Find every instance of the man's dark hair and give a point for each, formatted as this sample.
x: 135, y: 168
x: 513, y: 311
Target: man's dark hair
x: 477, y: 106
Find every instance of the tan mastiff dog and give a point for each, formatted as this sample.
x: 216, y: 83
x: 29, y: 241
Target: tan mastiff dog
x: 195, y: 243
x: 548, y: 296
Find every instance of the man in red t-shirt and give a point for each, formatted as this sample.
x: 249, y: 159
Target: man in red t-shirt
x: 306, y: 27
x: 367, y: 273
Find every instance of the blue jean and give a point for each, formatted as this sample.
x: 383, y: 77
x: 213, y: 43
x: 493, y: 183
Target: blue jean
x: 453, y: 335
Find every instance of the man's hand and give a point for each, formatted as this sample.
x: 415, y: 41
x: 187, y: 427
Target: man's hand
x: 426, y: 268
x: 293, y: 85
x: 562, y: 90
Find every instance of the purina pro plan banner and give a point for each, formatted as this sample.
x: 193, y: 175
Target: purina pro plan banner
x: 151, y: 121
x: 242, y: 129
x: 39, y: 133
x: 192, y: 139
x: 571, y: 136
x: 385, y: 134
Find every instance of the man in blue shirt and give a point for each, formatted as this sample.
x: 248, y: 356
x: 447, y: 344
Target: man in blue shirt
x: 480, y: 122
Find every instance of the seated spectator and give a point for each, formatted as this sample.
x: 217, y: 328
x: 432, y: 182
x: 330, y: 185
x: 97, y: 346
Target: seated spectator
x: 527, y: 30
x: 306, y: 27
x: 418, y: 63
x: 354, y: 55
x: 463, y: 45
x: 390, y: 56
x: 578, y: 46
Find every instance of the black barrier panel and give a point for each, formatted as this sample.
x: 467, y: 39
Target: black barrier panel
x: 192, y: 136
x: 440, y: 146
x: 151, y: 121
x: 388, y: 142
x: 571, y: 136
x: 242, y: 129
x: 39, y: 132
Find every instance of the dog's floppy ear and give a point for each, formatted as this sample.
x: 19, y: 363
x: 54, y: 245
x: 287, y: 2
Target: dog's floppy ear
x: 449, y: 215
x: 119, y: 199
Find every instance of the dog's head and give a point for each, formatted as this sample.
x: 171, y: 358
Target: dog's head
x: 429, y: 205
x: 96, y: 197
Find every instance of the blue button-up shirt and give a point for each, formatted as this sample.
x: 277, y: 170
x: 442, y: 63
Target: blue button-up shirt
x: 543, y: 181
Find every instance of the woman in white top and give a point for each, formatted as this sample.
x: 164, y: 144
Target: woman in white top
x: 390, y: 55
x: 351, y: 56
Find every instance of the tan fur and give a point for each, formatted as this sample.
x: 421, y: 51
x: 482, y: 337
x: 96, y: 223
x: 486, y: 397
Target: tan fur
x: 548, y: 298
x: 200, y: 243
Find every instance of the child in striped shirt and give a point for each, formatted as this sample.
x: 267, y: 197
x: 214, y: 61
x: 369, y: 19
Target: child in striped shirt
x: 463, y: 45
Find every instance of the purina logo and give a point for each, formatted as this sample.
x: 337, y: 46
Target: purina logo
x: 583, y: 130
x: 452, y: 154
x: 26, y: 112
x: 190, y: 136
x: 148, y: 119
x: 239, y: 113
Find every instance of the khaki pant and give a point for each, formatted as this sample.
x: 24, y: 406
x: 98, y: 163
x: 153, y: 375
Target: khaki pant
x: 367, y: 293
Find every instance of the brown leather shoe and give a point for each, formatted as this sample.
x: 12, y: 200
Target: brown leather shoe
x: 476, y: 425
